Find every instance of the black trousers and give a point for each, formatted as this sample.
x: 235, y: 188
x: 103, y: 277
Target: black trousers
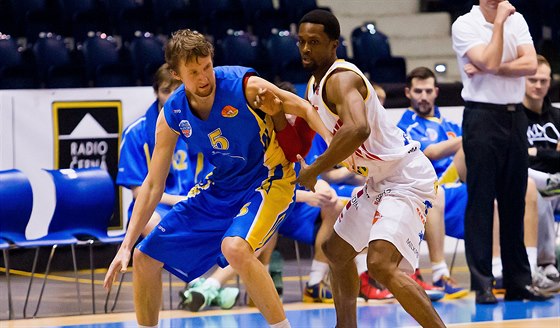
x: 494, y: 141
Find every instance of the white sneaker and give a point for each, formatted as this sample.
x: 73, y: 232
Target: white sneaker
x: 541, y: 281
x: 552, y: 185
x: 551, y: 272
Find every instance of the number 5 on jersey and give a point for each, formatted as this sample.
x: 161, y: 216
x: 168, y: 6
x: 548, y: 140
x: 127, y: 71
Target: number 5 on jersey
x: 217, y: 140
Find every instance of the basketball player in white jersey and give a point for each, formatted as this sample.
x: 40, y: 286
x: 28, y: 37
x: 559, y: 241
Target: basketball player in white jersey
x: 389, y: 213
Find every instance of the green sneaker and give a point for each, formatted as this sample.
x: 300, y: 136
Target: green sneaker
x: 184, y: 294
x: 199, y: 297
x: 227, y: 298
x: 275, y: 270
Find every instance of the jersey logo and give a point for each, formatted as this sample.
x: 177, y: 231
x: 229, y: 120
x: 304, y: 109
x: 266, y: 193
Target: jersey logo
x: 176, y: 111
x: 186, y: 128
x: 229, y: 111
x: 244, y: 210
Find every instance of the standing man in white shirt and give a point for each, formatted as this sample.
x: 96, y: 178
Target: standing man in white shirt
x: 495, y: 51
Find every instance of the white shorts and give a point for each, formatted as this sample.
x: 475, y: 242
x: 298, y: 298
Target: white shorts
x: 393, y: 209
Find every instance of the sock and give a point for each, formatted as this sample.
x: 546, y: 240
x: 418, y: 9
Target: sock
x: 213, y: 283
x: 439, y: 269
x: 318, y: 271
x: 361, y: 263
x: 140, y: 326
x: 497, y: 267
x: 282, y: 324
x: 194, y: 281
x: 532, y: 256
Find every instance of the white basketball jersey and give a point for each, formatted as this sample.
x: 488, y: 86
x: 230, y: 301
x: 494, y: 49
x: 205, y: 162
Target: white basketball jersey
x: 385, y: 145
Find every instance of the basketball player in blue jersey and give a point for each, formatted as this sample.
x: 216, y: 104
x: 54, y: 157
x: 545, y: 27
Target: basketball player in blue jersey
x: 219, y: 112
x: 388, y: 215
x: 137, y: 148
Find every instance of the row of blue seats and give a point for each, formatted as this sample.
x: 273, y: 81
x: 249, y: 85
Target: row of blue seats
x: 73, y: 18
x: 84, y: 204
x: 103, y: 62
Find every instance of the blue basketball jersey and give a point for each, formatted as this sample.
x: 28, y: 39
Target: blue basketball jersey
x: 237, y: 140
x: 187, y: 168
x: 429, y: 131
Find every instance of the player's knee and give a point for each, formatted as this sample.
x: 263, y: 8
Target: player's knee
x: 141, y: 260
x: 236, y: 250
x: 378, y: 267
x: 332, y: 252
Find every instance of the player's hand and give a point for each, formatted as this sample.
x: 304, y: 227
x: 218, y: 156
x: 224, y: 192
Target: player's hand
x: 471, y: 70
x: 306, y: 177
x: 505, y: 9
x: 329, y: 198
x: 268, y: 102
x: 119, y: 264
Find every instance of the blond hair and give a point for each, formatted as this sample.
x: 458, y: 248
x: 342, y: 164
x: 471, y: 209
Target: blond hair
x: 186, y: 45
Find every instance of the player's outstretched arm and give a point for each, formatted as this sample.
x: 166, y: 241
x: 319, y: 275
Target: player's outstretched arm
x: 291, y: 103
x: 148, y: 197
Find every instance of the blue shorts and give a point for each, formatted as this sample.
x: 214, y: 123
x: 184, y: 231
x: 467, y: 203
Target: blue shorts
x: 455, y: 205
x: 188, y: 239
x: 302, y: 224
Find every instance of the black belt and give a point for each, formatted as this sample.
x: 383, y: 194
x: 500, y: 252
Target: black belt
x: 476, y: 104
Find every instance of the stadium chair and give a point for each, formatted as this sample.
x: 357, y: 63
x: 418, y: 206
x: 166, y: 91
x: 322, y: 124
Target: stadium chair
x: 5, y: 247
x: 295, y: 9
x: 86, y: 214
x: 54, y: 62
x: 104, y: 66
x: 15, y: 71
x: 283, y: 54
x: 133, y: 20
x: 368, y: 45
x: 147, y: 55
x: 238, y: 48
x: 388, y: 70
x: 225, y: 16
x: 21, y: 10
x: 173, y: 15
x: 15, y: 212
x: 342, y: 49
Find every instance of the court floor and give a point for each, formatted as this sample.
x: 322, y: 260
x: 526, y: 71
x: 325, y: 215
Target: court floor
x: 59, y: 306
x: 457, y: 313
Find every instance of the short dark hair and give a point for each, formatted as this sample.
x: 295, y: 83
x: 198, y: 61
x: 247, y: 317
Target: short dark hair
x: 163, y: 77
x: 422, y: 73
x: 325, y: 18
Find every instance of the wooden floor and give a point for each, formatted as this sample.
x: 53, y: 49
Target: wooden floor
x: 458, y: 313
x: 59, y: 306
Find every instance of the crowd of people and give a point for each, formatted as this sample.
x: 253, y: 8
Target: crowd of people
x: 224, y: 161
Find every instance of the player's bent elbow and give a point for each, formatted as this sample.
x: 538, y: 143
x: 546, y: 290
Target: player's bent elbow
x: 362, y: 131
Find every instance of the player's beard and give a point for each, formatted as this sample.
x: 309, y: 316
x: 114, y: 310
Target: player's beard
x: 423, y: 108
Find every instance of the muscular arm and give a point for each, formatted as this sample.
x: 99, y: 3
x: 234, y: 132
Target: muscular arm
x: 525, y: 64
x: 343, y: 91
x: 150, y: 193
x: 443, y: 149
x: 488, y: 57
